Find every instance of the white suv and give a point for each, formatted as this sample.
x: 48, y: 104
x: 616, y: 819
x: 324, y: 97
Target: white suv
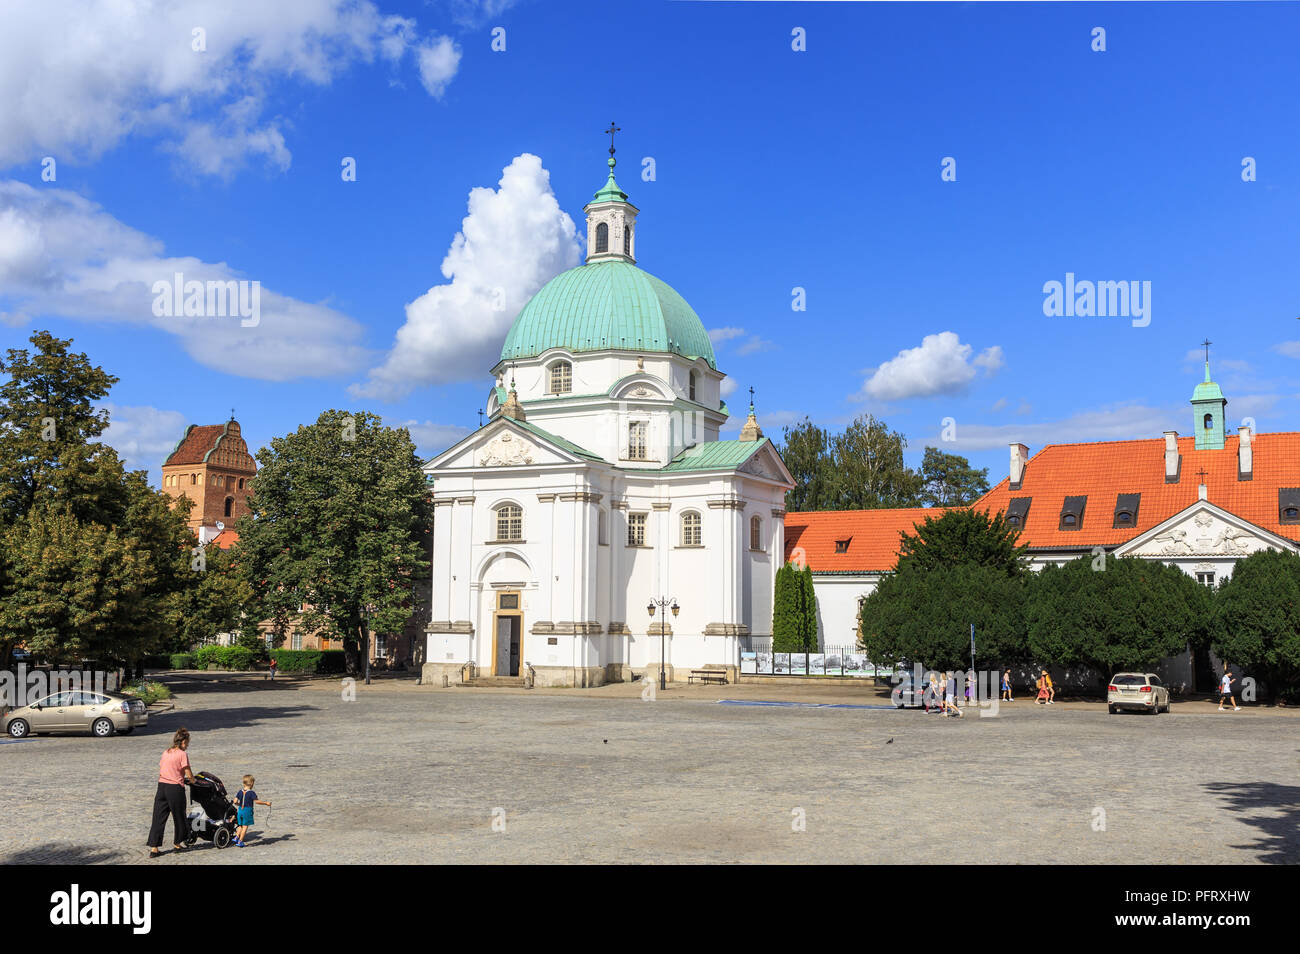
x: 1142, y: 691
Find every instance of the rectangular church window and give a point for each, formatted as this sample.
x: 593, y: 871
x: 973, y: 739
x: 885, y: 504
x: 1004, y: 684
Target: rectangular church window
x: 636, y: 441
x: 636, y: 529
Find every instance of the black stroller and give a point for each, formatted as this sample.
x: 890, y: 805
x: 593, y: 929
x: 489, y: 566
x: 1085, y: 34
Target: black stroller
x: 214, y: 818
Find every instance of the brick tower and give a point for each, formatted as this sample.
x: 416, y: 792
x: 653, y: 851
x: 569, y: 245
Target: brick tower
x: 212, y: 466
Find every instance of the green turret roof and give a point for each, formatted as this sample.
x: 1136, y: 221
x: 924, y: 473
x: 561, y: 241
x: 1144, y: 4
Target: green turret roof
x: 611, y: 192
x: 1207, y: 390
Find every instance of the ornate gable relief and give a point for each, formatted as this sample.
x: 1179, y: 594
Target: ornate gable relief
x: 506, y: 450
x: 643, y: 387
x: 765, y: 463
x: 1202, y: 533
x: 760, y: 466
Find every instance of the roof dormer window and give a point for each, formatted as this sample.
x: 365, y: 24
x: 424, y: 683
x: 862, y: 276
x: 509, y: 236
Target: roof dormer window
x: 842, y: 546
x: 1126, y: 510
x: 1288, y: 505
x: 1072, y: 512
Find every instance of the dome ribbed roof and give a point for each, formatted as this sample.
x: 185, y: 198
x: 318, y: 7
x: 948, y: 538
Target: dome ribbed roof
x: 607, y: 305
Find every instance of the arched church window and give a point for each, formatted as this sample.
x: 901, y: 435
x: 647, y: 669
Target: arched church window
x: 510, y: 522
x: 230, y: 506
x: 1209, y: 422
x: 692, y: 530
x: 561, y: 377
x: 602, y: 237
x: 756, y: 533
x: 602, y: 527
x: 692, y: 386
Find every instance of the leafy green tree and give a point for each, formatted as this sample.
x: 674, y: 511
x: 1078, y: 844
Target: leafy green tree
x: 806, y: 452
x: 48, y: 417
x: 216, y: 602
x: 788, y: 625
x: 964, y: 536
x: 869, y: 472
x: 1257, y: 620
x: 1114, y: 614
x: 948, y: 480
x: 90, y: 551
x: 808, y: 610
x: 924, y: 615
x: 860, y: 468
x: 340, y: 515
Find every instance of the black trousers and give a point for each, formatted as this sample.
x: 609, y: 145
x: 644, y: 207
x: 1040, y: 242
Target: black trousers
x: 170, y: 800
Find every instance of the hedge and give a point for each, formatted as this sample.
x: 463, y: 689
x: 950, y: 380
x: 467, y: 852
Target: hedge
x: 224, y: 657
x: 181, y: 660
x: 310, y: 660
x: 156, y: 662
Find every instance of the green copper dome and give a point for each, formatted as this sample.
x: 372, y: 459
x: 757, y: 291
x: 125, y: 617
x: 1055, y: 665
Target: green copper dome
x: 607, y: 305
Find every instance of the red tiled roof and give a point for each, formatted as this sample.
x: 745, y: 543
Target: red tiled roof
x: 198, y: 440
x: 873, y: 537
x: 1103, y: 470
x: 226, y: 539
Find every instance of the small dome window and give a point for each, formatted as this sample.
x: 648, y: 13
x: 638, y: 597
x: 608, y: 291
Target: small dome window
x: 692, y: 386
x: 602, y: 237
x: 627, y: 241
x: 561, y: 377
x: 1209, y: 422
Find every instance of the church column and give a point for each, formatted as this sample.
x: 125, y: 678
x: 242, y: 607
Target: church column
x: 544, y: 611
x: 462, y: 569
x: 776, y: 547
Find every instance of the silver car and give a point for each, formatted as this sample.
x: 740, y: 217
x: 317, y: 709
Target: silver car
x: 1139, y: 691
x: 100, y: 714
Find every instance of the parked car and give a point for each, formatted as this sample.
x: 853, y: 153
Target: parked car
x: 1142, y: 691
x: 100, y: 714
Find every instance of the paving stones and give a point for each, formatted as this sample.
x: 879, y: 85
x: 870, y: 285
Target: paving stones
x: 435, y: 775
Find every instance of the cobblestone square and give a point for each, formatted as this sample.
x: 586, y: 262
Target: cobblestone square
x: 407, y: 774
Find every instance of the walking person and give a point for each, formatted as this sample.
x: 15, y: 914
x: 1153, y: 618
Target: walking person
x: 1006, y: 686
x: 1041, y: 686
x: 1051, y: 689
x: 950, y: 695
x: 173, y: 773
x: 274, y: 664
x: 1225, y: 689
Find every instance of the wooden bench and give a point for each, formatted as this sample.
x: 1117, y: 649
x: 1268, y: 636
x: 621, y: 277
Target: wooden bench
x: 707, y: 675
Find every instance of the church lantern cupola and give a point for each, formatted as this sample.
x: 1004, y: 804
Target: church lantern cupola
x: 1209, y: 409
x: 611, y: 219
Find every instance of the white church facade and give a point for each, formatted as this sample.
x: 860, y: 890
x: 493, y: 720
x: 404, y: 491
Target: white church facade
x: 599, y: 489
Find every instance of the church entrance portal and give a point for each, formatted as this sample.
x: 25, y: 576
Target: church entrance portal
x: 507, y: 635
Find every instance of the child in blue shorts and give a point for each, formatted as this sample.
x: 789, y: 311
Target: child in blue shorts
x: 245, y: 799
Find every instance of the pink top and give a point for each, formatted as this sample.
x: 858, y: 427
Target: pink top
x: 172, y: 766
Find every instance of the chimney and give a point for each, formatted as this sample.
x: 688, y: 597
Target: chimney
x: 1245, y: 454
x: 1019, y: 458
x: 1173, y: 462
x: 1201, y: 492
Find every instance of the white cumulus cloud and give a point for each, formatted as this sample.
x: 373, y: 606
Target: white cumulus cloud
x: 940, y: 365
x: 143, y: 436
x: 514, y: 239
x: 62, y: 255
x: 78, y: 76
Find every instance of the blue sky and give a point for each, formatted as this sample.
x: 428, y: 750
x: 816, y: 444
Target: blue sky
x: 775, y: 169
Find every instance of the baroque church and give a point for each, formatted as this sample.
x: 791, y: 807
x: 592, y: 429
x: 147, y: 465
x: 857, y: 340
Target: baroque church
x: 596, y: 527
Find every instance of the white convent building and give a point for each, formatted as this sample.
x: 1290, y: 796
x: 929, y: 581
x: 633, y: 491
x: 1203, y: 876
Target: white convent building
x: 599, y: 486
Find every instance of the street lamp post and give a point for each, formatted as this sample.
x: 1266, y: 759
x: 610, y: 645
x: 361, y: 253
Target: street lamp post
x: 664, y: 603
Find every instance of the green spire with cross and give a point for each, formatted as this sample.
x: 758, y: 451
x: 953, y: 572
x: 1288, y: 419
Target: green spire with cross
x: 1209, y: 410
x: 611, y: 192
